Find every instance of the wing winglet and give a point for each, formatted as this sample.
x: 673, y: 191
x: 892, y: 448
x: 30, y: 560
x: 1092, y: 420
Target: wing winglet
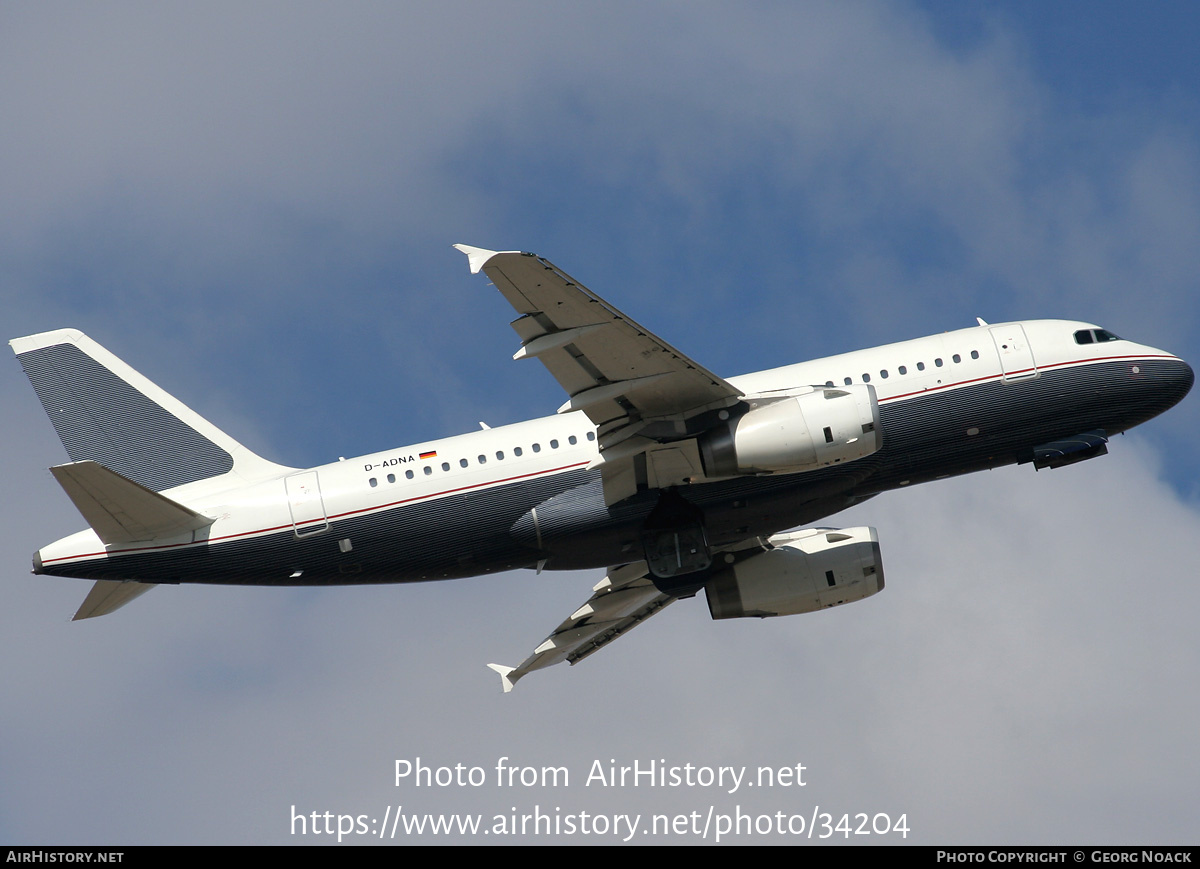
x: 477, y: 257
x: 504, y: 672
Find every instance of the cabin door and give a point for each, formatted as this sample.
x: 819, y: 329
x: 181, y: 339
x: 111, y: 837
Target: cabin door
x: 1016, y: 356
x: 306, y: 504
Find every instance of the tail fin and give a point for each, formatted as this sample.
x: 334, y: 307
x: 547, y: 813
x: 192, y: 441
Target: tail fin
x: 106, y: 412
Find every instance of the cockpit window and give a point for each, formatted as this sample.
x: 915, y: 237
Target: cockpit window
x: 1097, y: 336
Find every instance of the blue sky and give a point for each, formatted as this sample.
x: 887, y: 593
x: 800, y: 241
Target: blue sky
x: 254, y: 206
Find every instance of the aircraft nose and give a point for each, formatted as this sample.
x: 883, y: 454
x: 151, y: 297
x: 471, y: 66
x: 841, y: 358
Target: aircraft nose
x: 1154, y: 384
x: 1182, y: 377
x: 1174, y: 380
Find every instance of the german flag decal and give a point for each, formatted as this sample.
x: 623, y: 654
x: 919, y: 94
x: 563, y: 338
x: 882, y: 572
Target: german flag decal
x: 429, y: 455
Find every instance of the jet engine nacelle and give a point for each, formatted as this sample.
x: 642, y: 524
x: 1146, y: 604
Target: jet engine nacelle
x: 806, y: 571
x: 796, y: 433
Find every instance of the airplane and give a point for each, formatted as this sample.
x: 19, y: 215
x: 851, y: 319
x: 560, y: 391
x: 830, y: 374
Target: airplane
x: 672, y: 478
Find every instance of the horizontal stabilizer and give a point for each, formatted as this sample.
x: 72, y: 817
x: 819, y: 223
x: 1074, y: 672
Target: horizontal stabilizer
x: 107, y: 596
x: 121, y: 511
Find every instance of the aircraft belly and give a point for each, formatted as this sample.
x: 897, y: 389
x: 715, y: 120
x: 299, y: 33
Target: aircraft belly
x: 419, y: 541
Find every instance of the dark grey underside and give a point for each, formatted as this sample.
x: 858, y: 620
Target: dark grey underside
x: 925, y: 437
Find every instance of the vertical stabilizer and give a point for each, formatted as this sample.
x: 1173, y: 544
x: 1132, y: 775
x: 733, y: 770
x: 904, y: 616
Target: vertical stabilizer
x: 106, y: 412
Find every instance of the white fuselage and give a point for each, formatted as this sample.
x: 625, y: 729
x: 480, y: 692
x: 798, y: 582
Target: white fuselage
x: 322, y: 501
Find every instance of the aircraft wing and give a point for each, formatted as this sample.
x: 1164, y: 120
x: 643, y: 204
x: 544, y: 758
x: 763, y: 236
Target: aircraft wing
x: 621, y: 375
x: 644, y: 396
x: 621, y: 601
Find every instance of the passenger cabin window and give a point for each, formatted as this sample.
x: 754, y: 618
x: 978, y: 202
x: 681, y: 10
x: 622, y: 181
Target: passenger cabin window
x: 902, y: 369
x: 938, y: 362
x: 572, y: 440
x: 554, y: 445
x: 883, y: 374
x: 848, y: 381
x: 408, y: 475
x: 920, y: 366
x: 956, y: 358
x: 428, y: 470
x: 974, y: 354
x: 373, y: 482
x: 462, y: 463
x: 391, y: 478
x: 591, y: 436
x: 445, y: 466
x: 517, y: 451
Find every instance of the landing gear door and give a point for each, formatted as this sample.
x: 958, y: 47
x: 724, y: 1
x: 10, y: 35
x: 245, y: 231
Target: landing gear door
x: 1016, y: 356
x: 306, y: 504
x: 676, y: 551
